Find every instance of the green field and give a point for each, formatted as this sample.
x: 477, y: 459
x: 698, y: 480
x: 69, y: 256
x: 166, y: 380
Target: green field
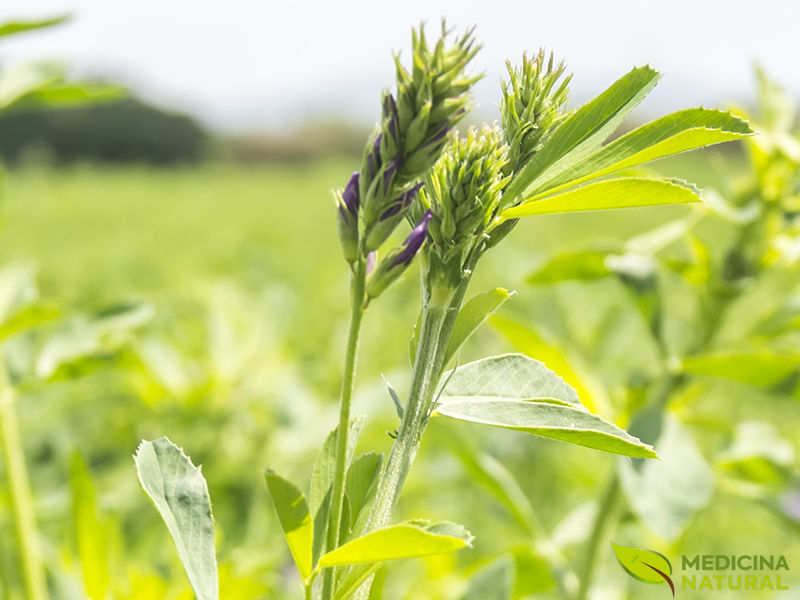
x: 244, y: 271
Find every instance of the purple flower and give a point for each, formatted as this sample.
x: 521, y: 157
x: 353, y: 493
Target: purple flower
x: 402, y: 202
x: 350, y: 194
x: 390, y: 112
x: 438, y: 136
x: 374, y: 158
x: 413, y: 242
x: 389, y: 173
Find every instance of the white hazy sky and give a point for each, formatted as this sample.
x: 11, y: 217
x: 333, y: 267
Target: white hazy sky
x: 268, y: 63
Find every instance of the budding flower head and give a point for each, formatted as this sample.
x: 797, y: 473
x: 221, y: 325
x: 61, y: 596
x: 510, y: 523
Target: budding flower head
x: 533, y: 105
x: 462, y: 193
x: 348, y: 203
x: 415, y: 121
x: 397, y: 261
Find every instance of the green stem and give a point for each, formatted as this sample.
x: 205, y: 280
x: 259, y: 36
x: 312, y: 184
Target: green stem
x: 439, y: 313
x: 601, y: 522
x: 337, y: 490
x: 21, y: 499
x: 423, y: 385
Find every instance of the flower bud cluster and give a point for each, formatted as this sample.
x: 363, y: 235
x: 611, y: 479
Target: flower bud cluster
x: 463, y: 193
x: 533, y: 105
x: 430, y: 99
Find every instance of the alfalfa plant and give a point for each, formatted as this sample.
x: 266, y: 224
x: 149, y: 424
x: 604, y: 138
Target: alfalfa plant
x: 716, y: 291
x: 462, y: 196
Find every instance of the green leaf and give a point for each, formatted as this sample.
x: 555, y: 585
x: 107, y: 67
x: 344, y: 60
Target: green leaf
x: 635, y: 561
x: 509, y: 377
x: 323, y: 472
x: 555, y: 421
x: 623, y: 192
x: 571, y: 265
x: 179, y: 491
x: 20, y: 306
x: 759, y: 440
x: 533, y: 573
x: 13, y: 27
x: 356, y: 576
x: 757, y: 303
x: 319, y: 536
x: 19, y: 81
x: 682, y: 321
x: 17, y: 291
x: 472, y: 315
x: 758, y: 367
x: 90, y: 532
x: 29, y: 317
x: 362, y: 484
x: 758, y: 454
x: 494, y: 582
x: 410, y: 539
x: 295, y: 519
x: 585, y: 129
x: 665, y: 494
x: 678, y: 132
x: 531, y: 341
x: 85, y: 341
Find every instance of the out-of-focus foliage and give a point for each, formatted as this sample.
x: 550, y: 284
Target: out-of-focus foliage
x: 702, y: 322
x: 237, y: 366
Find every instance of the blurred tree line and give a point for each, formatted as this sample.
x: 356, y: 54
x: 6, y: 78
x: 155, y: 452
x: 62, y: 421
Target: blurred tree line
x: 131, y: 131
x: 126, y: 130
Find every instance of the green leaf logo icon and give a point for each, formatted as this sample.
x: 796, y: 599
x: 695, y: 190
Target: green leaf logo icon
x: 645, y: 565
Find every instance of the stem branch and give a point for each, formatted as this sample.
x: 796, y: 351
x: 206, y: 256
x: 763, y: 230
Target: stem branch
x: 342, y: 433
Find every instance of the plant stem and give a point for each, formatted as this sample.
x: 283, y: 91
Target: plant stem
x: 358, y: 280
x: 423, y: 384
x: 21, y: 499
x: 439, y: 313
x: 601, y: 522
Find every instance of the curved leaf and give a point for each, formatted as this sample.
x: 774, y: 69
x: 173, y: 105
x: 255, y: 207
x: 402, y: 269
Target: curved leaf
x: 295, y: 519
x: 666, y: 494
x: 472, y: 315
x: 14, y: 27
x: 404, y: 540
x: 508, y: 376
x: 623, y: 192
x: 554, y: 421
x: 179, y: 491
x: 572, y: 265
x: 762, y: 368
x: 530, y: 341
x: 674, y: 133
x: 585, y: 129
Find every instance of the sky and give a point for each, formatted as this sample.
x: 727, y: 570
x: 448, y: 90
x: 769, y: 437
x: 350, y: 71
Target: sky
x: 269, y: 64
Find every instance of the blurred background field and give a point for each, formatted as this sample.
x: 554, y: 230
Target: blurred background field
x: 229, y: 234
